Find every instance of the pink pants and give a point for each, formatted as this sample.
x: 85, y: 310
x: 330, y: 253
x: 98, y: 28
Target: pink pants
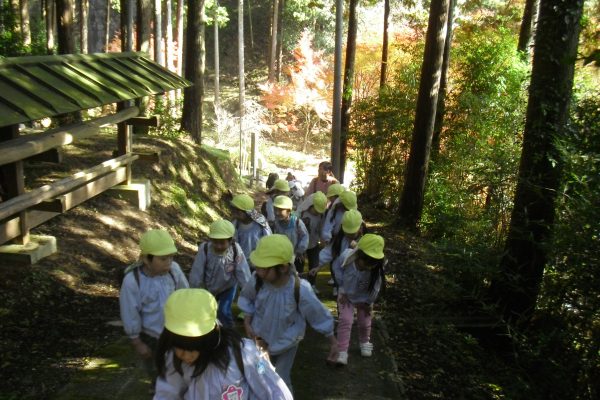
x: 346, y: 318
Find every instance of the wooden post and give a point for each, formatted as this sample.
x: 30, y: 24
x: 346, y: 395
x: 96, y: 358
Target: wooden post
x: 12, y: 182
x: 124, y: 137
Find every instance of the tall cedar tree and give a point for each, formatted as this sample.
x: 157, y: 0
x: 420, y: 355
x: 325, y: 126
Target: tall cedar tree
x: 191, y: 118
x: 526, y: 26
x: 411, y: 203
x: 522, y: 266
x: 441, y: 103
x: 273, y: 41
x: 348, y: 88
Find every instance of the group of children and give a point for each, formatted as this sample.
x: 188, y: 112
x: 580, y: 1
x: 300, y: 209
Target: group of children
x: 188, y: 333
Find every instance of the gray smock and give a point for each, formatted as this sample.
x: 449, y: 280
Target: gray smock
x: 326, y: 253
x: 247, y: 235
x: 313, y: 225
x: 333, y: 221
x: 258, y: 382
x: 278, y: 319
x: 142, y: 304
x: 352, y: 282
x: 296, y: 231
x: 219, y: 272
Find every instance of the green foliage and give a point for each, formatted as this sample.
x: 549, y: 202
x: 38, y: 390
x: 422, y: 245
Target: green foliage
x: 570, y: 294
x: 315, y: 16
x: 470, y: 187
x: 222, y: 15
x: 382, y: 130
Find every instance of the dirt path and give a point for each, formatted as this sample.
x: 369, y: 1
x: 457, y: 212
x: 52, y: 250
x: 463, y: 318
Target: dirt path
x: 116, y: 375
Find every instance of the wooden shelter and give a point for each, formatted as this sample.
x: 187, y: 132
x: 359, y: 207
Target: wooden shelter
x: 32, y: 88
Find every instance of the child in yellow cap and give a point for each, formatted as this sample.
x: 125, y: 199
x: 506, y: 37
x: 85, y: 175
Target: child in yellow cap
x: 281, y: 187
x: 359, y: 274
x: 277, y: 305
x: 311, y: 211
x: 144, y: 291
x: 288, y: 224
x: 352, y: 230
x: 333, y: 219
x: 220, y: 266
x: 249, y: 224
x: 200, y: 359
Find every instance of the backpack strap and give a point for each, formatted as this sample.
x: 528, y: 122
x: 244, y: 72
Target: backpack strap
x: 205, y: 244
x: 237, y: 353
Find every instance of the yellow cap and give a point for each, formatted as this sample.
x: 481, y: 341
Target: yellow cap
x: 282, y: 185
x: 319, y: 202
x: 243, y: 202
x: 335, y: 190
x: 157, y: 242
x: 372, y: 245
x: 283, y: 202
x: 351, y: 221
x: 221, y: 229
x: 191, y: 312
x: 348, y: 199
x: 272, y: 250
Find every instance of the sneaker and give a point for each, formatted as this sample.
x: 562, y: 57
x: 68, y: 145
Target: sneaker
x: 366, y: 349
x: 315, y: 289
x: 342, y: 358
x: 331, y: 282
x: 335, y: 292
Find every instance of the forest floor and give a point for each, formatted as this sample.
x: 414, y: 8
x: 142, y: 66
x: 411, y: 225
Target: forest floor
x: 60, y: 336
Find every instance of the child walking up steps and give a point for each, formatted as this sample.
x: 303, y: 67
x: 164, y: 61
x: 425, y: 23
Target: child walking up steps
x: 277, y: 305
x: 359, y: 273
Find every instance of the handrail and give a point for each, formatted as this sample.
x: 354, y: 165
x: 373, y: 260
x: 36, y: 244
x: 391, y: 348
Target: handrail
x: 36, y: 196
x: 26, y: 146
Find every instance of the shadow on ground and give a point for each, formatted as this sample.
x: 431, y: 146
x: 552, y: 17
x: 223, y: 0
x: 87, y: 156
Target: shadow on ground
x: 115, y: 374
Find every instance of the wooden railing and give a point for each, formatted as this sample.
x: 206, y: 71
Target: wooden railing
x: 23, y: 210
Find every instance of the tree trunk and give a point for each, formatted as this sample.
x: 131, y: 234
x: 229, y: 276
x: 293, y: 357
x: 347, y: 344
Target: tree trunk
x: 526, y: 25
x: 250, y: 25
x: 84, y: 8
x: 554, y: 54
x: 385, y: 45
x: 273, y: 41
x: 15, y: 12
x: 127, y: 9
x: 168, y: 34
x: 217, y: 89
x: 66, y: 45
x: 107, y: 26
x: 373, y: 172
x: 191, y: 118
x: 144, y: 17
x: 241, y: 74
x: 159, y: 56
x: 50, y: 25
x: 279, y: 50
x: 348, y: 88
x: 179, y: 36
x: 336, y: 117
x: 411, y: 203
x: 25, y: 28
x: 441, y: 101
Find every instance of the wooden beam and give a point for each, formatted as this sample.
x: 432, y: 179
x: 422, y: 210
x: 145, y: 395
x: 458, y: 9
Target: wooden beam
x: 53, y: 156
x: 153, y: 120
x: 46, y: 210
x: 27, y: 146
x: 36, y: 196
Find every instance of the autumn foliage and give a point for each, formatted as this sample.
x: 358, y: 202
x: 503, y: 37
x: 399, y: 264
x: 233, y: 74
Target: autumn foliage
x: 299, y: 106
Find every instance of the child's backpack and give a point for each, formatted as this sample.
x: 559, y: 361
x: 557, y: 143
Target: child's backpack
x: 135, y: 269
x: 259, y: 285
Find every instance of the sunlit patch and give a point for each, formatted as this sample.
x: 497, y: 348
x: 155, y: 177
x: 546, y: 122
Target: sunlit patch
x: 104, y: 363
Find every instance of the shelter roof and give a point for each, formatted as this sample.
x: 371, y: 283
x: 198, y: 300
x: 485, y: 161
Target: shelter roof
x: 35, y: 87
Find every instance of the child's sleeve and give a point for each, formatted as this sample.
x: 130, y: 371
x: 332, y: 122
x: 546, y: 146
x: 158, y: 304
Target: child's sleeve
x: 197, y: 272
x: 261, y: 377
x: 315, y: 312
x: 247, y: 296
x: 181, y: 281
x: 242, y: 270
x: 325, y: 255
x: 327, y: 230
x: 130, y: 306
x: 337, y: 270
x: 302, y: 238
